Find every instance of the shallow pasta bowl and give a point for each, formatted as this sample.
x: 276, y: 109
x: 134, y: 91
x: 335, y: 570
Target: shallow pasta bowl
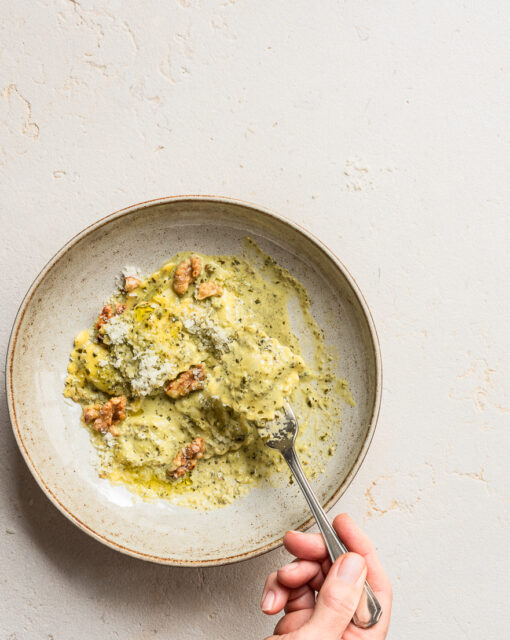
x: 65, y: 298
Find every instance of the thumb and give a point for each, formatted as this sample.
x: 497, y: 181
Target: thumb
x: 338, y: 598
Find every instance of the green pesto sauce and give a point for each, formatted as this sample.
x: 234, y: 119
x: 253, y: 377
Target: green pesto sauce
x: 254, y: 363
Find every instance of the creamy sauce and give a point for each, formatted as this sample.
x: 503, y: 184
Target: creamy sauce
x: 254, y: 363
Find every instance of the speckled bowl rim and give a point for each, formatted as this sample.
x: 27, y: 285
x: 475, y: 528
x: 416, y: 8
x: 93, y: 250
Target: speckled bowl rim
x: 138, y: 207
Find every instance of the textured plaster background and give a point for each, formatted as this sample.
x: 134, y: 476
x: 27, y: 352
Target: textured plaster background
x: 381, y: 126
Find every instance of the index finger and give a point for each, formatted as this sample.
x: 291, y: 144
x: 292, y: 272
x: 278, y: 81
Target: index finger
x: 357, y: 540
x: 306, y: 546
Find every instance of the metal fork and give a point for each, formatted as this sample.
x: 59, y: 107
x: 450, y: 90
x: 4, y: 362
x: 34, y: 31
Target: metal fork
x: 282, y: 436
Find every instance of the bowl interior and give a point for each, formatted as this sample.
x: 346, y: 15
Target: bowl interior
x: 65, y: 299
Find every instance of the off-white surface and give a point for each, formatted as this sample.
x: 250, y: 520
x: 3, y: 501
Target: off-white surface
x: 384, y: 128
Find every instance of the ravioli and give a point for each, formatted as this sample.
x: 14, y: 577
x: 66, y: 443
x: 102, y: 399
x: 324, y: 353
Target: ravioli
x: 202, y: 351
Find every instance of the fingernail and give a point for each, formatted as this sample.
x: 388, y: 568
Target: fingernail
x: 350, y: 568
x: 267, y: 601
x: 290, y: 567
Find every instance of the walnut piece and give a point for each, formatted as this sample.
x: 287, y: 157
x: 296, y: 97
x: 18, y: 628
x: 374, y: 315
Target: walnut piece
x: 186, y: 459
x: 104, y: 316
x: 208, y: 289
x: 131, y: 283
x: 182, y: 277
x: 196, y: 267
x: 186, y: 382
x: 107, y: 314
x: 186, y: 272
x: 91, y: 413
x: 106, y: 416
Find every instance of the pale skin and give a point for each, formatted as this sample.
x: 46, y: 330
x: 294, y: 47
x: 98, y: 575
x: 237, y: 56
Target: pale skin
x: 319, y: 599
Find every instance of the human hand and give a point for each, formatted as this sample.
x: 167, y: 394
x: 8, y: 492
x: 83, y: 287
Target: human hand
x: 339, y: 587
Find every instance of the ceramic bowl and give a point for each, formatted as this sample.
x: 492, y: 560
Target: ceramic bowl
x: 65, y: 298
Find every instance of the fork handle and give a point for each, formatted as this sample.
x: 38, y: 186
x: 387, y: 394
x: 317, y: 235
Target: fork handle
x: 368, y: 610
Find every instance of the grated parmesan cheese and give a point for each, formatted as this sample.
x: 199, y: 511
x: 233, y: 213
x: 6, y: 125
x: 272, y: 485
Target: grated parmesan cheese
x: 152, y: 373
x: 208, y: 331
x: 128, y: 270
x: 117, y: 329
x: 108, y: 439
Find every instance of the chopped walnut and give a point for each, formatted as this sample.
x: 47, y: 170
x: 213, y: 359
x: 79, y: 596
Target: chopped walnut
x: 106, y: 416
x: 182, y: 277
x: 186, y: 459
x: 91, y: 413
x: 104, y: 316
x: 186, y: 271
x: 196, y: 267
x: 119, y: 408
x: 208, y: 289
x: 107, y: 314
x: 131, y: 283
x: 186, y: 382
